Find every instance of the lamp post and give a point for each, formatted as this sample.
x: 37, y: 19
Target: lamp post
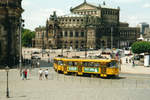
x: 7, y: 89
x: 20, y: 43
x: 86, y: 23
x: 111, y: 38
x: 42, y: 43
x: 62, y: 49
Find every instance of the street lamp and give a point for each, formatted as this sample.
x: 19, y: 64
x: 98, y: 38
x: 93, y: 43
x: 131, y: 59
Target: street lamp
x: 62, y: 49
x: 86, y: 24
x: 7, y: 89
x: 20, y: 43
x: 111, y: 38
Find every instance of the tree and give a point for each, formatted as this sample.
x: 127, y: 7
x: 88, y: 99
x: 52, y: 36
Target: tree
x: 141, y: 47
x: 27, y: 36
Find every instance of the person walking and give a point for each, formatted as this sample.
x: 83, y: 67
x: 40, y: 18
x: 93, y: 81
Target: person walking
x: 22, y: 75
x: 133, y: 64
x: 120, y: 62
x: 38, y: 64
x: 126, y: 60
x: 46, y: 73
x: 25, y: 74
x: 40, y: 74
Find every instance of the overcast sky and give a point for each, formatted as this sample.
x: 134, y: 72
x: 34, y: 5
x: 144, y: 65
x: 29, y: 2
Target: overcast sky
x: 38, y: 11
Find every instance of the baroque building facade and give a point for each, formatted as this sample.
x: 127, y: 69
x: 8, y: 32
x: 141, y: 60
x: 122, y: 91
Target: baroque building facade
x: 40, y: 36
x: 89, y: 26
x: 10, y: 13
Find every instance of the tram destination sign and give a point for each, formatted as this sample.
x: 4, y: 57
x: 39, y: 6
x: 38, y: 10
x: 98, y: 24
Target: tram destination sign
x: 72, y: 68
x: 91, y: 69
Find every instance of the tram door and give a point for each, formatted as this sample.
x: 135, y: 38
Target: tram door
x: 103, y: 69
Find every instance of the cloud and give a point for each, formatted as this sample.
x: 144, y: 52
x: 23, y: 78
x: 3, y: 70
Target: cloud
x: 59, y: 12
x: 134, y: 20
x: 128, y: 1
x: 26, y: 3
x: 39, y: 17
x: 147, y: 5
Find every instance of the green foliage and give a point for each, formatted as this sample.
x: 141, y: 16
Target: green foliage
x: 27, y: 36
x: 141, y: 47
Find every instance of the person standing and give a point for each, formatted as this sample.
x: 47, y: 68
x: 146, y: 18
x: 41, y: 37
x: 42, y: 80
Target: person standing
x: 133, y: 64
x: 40, y: 74
x: 120, y: 62
x: 25, y: 74
x: 22, y: 74
x: 38, y: 64
x: 46, y: 73
x: 126, y: 60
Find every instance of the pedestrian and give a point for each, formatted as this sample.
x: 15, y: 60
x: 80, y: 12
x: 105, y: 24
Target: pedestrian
x: 48, y: 59
x: 38, y: 64
x: 133, y: 64
x: 40, y: 74
x: 46, y: 73
x: 22, y: 74
x: 126, y: 60
x: 120, y: 64
x: 25, y: 74
x: 130, y: 60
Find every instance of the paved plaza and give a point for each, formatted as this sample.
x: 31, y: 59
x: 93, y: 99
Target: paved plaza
x: 69, y: 87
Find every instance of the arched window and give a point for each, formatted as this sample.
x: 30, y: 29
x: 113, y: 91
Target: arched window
x: 61, y: 34
x: 77, y: 34
x: 71, y: 34
x: 66, y: 34
x: 77, y: 42
x: 71, y: 43
x: 82, y: 34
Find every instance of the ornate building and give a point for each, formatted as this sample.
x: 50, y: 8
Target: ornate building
x: 89, y: 26
x: 10, y: 13
x: 40, y: 36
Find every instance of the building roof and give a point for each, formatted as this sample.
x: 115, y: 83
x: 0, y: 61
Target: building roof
x: 93, y: 5
x: 72, y: 15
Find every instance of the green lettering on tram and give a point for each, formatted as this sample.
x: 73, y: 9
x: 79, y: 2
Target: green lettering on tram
x: 72, y: 68
x: 91, y: 69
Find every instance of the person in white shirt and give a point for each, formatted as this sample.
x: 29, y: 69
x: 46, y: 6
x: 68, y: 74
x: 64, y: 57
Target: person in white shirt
x: 46, y: 73
x: 40, y: 74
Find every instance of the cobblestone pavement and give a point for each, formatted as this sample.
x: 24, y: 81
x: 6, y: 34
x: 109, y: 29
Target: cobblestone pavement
x: 69, y: 87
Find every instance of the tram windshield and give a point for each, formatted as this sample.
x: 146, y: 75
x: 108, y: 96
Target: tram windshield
x: 113, y: 64
x: 60, y: 62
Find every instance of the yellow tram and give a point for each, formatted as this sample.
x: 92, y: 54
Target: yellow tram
x: 79, y: 66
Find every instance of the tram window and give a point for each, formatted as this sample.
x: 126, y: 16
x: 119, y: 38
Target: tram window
x: 85, y: 64
x: 112, y: 64
x: 75, y: 63
x: 96, y: 64
x: 91, y: 64
x: 72, y: 63
x: 55, y: 61
x: 108, y: 65
x: 60, y: 62
x: 88, y: 64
